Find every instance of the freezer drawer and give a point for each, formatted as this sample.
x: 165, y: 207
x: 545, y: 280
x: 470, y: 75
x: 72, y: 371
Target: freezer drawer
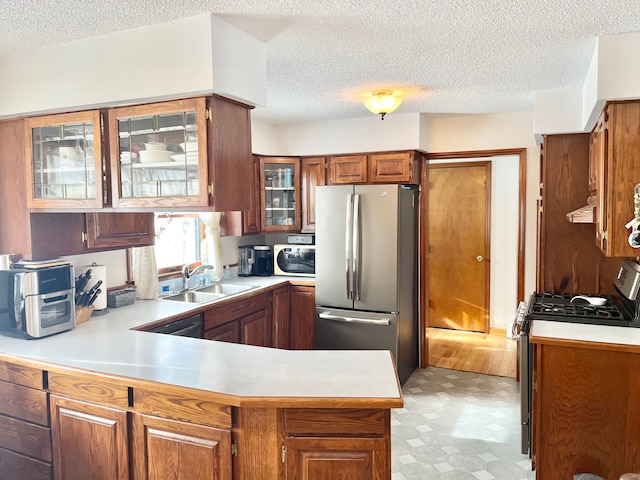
x: 352, y: 330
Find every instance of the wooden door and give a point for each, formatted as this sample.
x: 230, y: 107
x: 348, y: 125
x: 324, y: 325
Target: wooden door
x: 166, y: 449
x: 120, y: 230
x: 391, y: 167
x: 599, y: 151
x: 255, y: 329
x: 281, y: 302
x: 459, y: 233
x: 347, y: 169
x: 89, y: 441
x: 336, y: 458
x: 302, y: 318
x: 312, y: 175
x: 251, y: 218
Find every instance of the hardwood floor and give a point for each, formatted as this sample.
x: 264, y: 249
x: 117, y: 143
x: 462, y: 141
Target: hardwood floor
x: 493, y: 354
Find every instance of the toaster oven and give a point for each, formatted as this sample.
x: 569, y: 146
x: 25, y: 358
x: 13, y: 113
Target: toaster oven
x: 294, y: 260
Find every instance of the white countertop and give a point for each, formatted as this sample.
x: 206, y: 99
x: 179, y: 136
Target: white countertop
x: 587, y: 333
x: 106, y: 344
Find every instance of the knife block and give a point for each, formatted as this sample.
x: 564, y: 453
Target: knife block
x: 83, y: 314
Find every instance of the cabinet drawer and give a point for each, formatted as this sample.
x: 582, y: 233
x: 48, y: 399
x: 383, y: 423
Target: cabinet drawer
x: 234, y: 310
x: 25, y: 403
x: 101, y: 390
x: 309, y: 421
x: 21, y: 375
x: 14, y: 466
x: 27, y: 438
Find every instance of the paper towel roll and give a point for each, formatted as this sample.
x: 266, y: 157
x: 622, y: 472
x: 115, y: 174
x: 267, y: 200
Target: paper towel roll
x: 98, y: 272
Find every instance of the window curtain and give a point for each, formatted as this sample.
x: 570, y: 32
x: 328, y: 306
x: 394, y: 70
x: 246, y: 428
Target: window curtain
x: 145, y: 272
x: 211, y: 247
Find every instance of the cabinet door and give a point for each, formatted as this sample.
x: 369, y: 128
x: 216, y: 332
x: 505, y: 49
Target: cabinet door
x: 89, y: 441
x: 281, y: 306
x: 165, y: 449
x: 251, y: 218
x: 113, y: 230
x: 313, y: 174
x: 158, y: 154
x: 336, y: 458
x: 391, y: 167
x: 280, y: 194
x: 348, y: 169
x: 598, y: 149
x: 229, y: 332
x: 255, y: 329
x: 64, y: 161
x: 302, y: 318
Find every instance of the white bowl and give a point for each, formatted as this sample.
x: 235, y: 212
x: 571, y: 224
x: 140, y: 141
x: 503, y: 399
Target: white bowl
x: 190, y: 146
x: 155, y: 156
x: 155, y: 146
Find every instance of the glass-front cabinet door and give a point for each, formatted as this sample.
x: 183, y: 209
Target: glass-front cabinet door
x: 158, y: 154
x: 64, y: 161
x: 280, y: 194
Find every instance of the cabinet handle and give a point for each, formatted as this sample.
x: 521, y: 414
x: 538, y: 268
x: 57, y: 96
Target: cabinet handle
x: 283, y: 454
x: 84, y: 237
x: 210, y: 189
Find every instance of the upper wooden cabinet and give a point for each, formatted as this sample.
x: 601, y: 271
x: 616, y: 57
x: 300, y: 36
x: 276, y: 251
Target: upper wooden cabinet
x: 280, y: 194
x: 64, y: 161
x: 393, y: 167
x: 313, y: 174
x: 616, y: 141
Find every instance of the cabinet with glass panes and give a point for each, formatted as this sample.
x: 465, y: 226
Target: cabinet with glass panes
x: 280, y: 194
x: 158, y: 154
x: 64, y: 161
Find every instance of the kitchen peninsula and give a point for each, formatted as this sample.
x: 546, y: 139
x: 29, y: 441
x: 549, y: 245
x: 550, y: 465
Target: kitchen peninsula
x: 134, y: 404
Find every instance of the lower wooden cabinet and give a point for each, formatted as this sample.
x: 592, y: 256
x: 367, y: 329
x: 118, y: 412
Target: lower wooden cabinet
x: 166, y: 449
x: 281, y: 305
x: 89, y: 441
x: 302, y: 317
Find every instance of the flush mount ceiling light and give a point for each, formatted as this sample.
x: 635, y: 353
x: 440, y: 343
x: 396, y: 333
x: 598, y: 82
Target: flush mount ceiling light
x: 382, y: 102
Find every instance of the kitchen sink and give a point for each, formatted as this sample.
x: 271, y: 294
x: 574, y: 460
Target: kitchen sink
x: 193, y: 296
x: 225, y: 289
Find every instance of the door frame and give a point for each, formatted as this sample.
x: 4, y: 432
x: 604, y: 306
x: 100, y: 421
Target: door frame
x: 521, y: 153
x: 487, y: 239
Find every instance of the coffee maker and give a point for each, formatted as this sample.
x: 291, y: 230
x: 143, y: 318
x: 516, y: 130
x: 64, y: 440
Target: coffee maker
x: 263, y: 261
x: 245, y: 260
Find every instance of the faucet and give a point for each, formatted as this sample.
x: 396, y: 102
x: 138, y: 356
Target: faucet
x: 187, y: 275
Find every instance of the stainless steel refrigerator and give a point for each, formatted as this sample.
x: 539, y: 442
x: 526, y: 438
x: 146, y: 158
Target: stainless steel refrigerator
x: 367, y: 270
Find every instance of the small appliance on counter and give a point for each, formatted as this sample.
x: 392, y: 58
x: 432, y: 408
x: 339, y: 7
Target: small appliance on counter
x: 245, y: 260
x: 263, y: 261
x: 37, y: 301
x: 296, y: 260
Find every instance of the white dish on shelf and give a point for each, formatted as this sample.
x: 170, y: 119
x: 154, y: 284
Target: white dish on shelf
x: 189, y: 146
x: 155, y: 156
x: 179, y: 157
x: 155, y: 146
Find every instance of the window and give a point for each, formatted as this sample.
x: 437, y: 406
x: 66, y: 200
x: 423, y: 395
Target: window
x: 178, y: 238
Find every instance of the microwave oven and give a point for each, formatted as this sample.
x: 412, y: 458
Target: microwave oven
x: 36, y: 303
x: 294, y: 260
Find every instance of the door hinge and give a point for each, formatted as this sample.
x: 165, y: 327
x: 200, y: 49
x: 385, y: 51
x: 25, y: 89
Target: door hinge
x: 207, y: 114
x: 283, y: 454
x: 234, y: 449
x: 210, y: 189
x: 84, y: 237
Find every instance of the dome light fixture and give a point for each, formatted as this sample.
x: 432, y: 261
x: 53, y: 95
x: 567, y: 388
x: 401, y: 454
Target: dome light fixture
x: 383, y: 101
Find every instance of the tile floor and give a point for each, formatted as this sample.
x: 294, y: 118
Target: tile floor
x: 456, y: 426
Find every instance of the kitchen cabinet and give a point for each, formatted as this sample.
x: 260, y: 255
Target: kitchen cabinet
x: 64, y: 161
x: 313, y: 174
x: 246, y: 321
x: 584, y: 409
x: 563, y: 246
x: 25, y: 442
x: 330, y: 444
x: 281, y: 306
x: 181, y: 154
x: 280, y: 194
x: 302, y: 317
x: 617, y: 146
x: 392, y: 167
x: 246, y: 222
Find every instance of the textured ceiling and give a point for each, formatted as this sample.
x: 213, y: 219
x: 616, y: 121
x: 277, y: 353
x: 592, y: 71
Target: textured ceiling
x: 457, y: 56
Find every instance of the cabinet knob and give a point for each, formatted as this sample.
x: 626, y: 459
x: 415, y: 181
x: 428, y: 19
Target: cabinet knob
x: 480, y: 258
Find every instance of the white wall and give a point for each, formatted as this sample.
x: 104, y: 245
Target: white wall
x: 116, y: 262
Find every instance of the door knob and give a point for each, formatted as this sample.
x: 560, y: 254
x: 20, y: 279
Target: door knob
x: 480, y: 258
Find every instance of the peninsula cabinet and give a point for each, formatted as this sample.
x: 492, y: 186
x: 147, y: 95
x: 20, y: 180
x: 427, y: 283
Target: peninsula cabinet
x: 616, y: 141
x: 181, y: 154
x: 585, y: 412
x: 392, y: 167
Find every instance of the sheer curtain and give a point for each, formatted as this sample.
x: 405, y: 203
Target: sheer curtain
x: 145, y: 272
x: 211, y: 248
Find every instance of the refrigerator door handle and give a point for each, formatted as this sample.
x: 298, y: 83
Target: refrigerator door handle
x: 369, y: 321
x: 347, y: 246
x: 356, y: 247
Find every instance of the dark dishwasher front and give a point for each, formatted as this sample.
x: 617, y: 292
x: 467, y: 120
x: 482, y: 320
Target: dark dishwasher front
x: 185, y: 327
